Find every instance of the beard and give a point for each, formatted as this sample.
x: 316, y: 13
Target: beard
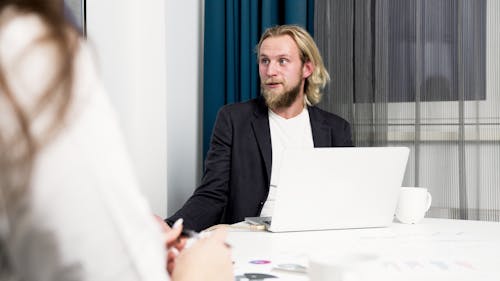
x: 283, y: 100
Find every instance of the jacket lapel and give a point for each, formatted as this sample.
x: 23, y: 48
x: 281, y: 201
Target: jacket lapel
x: 321, y: 134
x: 260, y: 126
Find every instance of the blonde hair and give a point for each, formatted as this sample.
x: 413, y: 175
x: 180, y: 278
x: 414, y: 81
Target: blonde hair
x: 308, y: 53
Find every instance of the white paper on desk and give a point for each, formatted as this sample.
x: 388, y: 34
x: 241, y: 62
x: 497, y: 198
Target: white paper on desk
x: 284, y: 259
x: 246, y: 266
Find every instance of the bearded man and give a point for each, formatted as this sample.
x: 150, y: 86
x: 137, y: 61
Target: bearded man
x: 249, y: 138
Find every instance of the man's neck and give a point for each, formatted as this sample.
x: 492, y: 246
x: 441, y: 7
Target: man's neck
x: 293, y: 110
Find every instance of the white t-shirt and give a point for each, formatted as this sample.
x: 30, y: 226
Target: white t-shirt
x: 86, y: 219
x: 285, y: 133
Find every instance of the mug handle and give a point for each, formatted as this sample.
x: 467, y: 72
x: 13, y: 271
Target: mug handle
x: 428, y: 202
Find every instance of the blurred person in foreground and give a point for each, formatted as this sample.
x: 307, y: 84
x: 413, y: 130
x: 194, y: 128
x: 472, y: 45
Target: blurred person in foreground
x: 70, y: 206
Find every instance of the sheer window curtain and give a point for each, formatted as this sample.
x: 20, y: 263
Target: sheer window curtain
x: 422, y: 74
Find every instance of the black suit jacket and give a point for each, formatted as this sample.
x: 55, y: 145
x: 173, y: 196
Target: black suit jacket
x: 237, y: 171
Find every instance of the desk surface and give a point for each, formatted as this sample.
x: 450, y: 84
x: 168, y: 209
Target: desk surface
x: 435, y: 249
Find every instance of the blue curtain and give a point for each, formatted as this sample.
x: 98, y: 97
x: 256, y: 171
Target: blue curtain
x: 232, y: 30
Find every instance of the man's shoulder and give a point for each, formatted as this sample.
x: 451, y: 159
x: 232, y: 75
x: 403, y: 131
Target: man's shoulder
x: 244, y: 108
x: 324, y: 116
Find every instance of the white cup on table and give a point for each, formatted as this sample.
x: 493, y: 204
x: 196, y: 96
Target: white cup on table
x: 413, y: 203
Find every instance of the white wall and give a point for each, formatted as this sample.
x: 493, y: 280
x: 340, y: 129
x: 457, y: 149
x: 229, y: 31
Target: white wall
x: 184, y: 88
x: 130, y: 40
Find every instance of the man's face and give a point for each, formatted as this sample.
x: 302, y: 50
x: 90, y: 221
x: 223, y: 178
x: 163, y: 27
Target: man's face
x: 281, y: 71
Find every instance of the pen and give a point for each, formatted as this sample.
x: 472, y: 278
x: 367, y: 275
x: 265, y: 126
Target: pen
x: 191, y: 234
x: 188, y: 233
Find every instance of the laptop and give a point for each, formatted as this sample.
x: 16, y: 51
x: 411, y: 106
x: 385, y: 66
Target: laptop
x: 336, y: 188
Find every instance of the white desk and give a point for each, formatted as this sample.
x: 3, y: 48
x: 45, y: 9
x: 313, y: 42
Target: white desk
x: 435, y: 249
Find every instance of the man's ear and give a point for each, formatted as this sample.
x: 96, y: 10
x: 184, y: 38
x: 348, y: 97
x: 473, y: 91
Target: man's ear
x: 307, y: 69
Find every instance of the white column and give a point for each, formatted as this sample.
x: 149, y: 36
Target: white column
x: 130, y: 40
x: 184, y: 87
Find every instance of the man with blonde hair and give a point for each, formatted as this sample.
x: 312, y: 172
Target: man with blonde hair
x: 249, y: 138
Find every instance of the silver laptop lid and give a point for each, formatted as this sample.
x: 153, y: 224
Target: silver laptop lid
x: 336, y: 188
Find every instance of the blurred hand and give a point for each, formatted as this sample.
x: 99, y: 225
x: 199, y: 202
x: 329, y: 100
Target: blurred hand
x: 173, y: 243
x: 207, y: 259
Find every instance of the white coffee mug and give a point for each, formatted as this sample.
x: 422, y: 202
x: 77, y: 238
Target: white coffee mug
x: 343, y: 267
x: 413, y: 203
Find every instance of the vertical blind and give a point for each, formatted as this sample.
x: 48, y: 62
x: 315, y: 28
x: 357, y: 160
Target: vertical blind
x: 422, y: 74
